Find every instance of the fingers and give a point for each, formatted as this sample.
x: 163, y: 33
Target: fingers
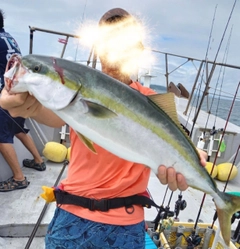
x: 181, y: 182
x: 203, y: 157
x: 169, y: 176
x: 8, y: 101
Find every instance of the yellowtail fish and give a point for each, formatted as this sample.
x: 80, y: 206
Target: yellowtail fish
x: 102, y: 110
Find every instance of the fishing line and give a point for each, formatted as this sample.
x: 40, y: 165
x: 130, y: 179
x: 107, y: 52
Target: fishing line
x: 163, y: 213
x: 224, y: 69
x: 195, y: 96
x: 198, y: 89
x: 151, y: 197
x: 164, y: 197
x: 36, y: 131
x: 170, y: 199
x: 210, y: 35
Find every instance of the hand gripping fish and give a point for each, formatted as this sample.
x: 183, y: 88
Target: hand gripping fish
x: 102, y: 110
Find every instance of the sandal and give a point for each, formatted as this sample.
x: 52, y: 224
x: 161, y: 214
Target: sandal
x: 12, y: 184
x: 32, y: 164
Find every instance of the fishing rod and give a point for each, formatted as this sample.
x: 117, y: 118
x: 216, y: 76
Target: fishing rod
x: 230, y: 172
x: 214, y: 131
x: 164, y: 216
x: 195, y: 118
x: 212, y: 70
x: 227, y: 181
x: 65, y: 163
x: 160, y: 211
x: 197, y: 96
x: 224, y: 69
x: 4, y: 111
x: 215, y: 159
x: 236, y: 236
x: 83, y: 14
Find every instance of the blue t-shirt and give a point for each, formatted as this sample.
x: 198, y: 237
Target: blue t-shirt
x: 8, y: 46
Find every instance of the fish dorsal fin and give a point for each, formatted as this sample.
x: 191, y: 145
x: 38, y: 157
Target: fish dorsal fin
x: 88, y: 143
x: 166, y: 102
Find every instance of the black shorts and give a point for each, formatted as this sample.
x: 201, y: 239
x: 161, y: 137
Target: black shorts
x: 10, y: 126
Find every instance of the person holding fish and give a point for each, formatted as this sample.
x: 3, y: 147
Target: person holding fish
x: 100, y: 203
x: 10, y: 127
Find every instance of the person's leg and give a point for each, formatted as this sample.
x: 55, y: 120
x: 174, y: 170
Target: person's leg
x: 18, y: 181
x: 21, y: 133
x: 30, y: 145
x: 67, y: 231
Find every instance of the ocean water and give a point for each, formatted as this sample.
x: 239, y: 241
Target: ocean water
x: 219, y: 107
x: 222, y: 109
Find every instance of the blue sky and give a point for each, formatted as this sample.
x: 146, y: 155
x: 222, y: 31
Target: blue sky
x: 175, y: 26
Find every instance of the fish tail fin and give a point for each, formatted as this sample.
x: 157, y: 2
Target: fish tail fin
x: 225, y: 212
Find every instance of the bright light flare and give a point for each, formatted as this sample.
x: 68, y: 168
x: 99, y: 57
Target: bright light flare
x: 119, y: 44
x: 88, y: 34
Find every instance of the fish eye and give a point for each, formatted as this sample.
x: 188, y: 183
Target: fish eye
x: 37, y: 68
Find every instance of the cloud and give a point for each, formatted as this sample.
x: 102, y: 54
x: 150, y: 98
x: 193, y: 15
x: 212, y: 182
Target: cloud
x: 173, y: 26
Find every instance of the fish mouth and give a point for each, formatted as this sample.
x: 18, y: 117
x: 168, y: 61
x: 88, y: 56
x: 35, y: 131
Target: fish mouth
x: 14, y: 69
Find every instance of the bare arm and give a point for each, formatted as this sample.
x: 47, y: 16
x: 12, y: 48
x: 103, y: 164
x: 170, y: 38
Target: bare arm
x: 25, y: 105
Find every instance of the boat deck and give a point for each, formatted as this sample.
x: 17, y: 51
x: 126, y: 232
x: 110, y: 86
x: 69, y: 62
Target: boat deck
x: 20, y: 210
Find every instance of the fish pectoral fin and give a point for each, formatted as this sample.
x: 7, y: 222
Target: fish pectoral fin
x: 88, y: 143
x: 99, y: 111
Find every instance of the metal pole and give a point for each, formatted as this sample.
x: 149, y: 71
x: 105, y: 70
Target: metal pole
x: 193, y: 88
x: 203, y: 96
x: 31, y: 41
x: 64, y: 47
x: 166, y: 64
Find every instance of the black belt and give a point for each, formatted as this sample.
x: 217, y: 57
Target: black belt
x: 103, y: 205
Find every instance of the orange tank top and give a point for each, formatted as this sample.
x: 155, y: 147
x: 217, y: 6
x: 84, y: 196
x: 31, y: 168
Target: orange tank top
x: 104, y: 175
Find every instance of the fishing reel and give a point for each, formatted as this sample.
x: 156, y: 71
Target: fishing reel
x: 163, y: 213
x: 193, y: 240
x: 235, y: 216
x: 214, y: 131
x: 236, y: 234
x: 179, y: 206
